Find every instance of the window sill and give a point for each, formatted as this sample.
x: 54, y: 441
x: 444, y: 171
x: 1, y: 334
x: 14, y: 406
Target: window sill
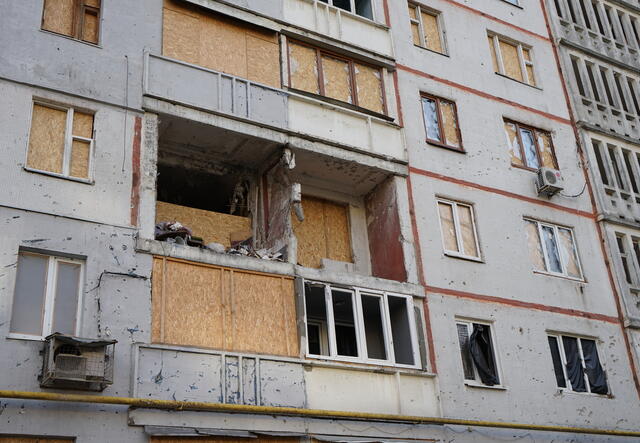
x: 518, y: 81
x: 565, y: 277
x: 563, y: 391
x: 62, y: 176
x: 513, y: 4
x: 442, y: 145
x: 68, y: 37
x: 25, y: 337
x: 444, y: 54
x: 463, y: 257
x: 475, y: 384
x: 350, y: 365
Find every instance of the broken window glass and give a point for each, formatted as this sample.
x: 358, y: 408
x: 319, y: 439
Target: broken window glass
x: 429, y: 108
x: 595, y: 374
x: 557, y: 362
x: 530, y: 151
x: 481, y: 350
x: 574, y: 364
x: 568, y: 251
x: 535, y: 246
x: 553, y: 257
x: 467, y: 363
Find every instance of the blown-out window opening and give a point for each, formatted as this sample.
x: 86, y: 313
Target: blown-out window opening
x: 478, y: 353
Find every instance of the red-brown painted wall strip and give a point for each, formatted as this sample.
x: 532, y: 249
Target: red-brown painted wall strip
x: 484, y: 94
x: 387, y: 19
x: 501, y: 192
x: 581, y: 153
x: 498, y: 20
x: 523, y: 304
x: 421, y: 279
x: 135, y: 171
x: 395, y: 84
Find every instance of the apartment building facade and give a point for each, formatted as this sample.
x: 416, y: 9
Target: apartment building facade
x: 304, y: 204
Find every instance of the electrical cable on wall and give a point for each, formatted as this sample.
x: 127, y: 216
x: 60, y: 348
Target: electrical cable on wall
x: 575, y: 195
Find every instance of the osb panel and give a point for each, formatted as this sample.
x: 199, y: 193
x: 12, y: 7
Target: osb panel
x: 494, y: 58
x: 449, y: 124
x: 82, y: 124
x: 180, y: 36
x: 568, y: 252
x: 223, y: 45
x: 546, y: 150
x: 369, y: 84
x: 79, y: 166
x: 336, y: 218
x: 223, y: 440
x: 448, y: 227
x: 46, y: 140
x: 337, y: 83
x: 511, y: 132
x: 431, y: 32
x: 532, y: 77
x: 211, y: 226
x: 187, y: 305
x: 468, y: 233
x: 311, y: 233
x: 58, y: 16
x: 90, y: 28
x: 263, y: 60
x: 263, y: 312
x: 304, y: 69
x: 510, y: 60
x: 214, y: 307
x: 415, y: 31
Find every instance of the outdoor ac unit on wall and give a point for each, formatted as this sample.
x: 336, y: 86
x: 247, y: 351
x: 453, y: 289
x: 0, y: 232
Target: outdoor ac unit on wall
x: 548, y: 182
x: 77, y: 363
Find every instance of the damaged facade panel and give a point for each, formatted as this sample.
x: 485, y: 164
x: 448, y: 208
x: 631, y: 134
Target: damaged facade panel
x: 210, y: 307
x: 220, y: 43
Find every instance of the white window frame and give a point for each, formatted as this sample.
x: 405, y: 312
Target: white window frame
x: 441, y: 32
x: 563, y: 360
x: 458, y: 229
x: 629, y: 253
x: 68, y: 143
x: 545, y: 255
x: 356, y: 298
x: 352, y: 3
x: 494, y: 347
x: 50, y: 295
x: 523, y: 62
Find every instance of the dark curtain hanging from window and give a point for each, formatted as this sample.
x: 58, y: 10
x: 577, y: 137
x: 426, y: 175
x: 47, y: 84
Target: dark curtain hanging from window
x: 574, y: 366
x: 482, y: 354
x: 595, y: 374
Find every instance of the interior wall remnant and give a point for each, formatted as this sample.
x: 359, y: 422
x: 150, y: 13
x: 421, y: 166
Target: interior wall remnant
x: 220, y: 43
x: 385, y: 237
x: 47, y: 138
x: 208, y: 306
x: 324, y: 233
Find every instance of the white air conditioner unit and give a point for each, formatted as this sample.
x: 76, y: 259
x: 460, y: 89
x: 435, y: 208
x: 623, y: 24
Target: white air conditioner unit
x: 77, y: 363
x: 548, y: 182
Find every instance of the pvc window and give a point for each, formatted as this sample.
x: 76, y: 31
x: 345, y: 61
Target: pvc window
x: 512, y: 59
x: 629, y: 253
x: 363, y: 8
x: 441, y: 122
x: 47, y: 296
x: 358, y: 325
x: 552, y: 249
x: 530, y: 148
x: 576, y: 364
x: 477, y: 351
x: 336, y: 77
x: 458, y: 227
x: 426, y: 28
x: 61, y: 141
x: 79, y: 19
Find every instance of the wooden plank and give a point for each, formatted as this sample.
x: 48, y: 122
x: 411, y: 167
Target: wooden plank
x: 338, y: 233
x: 369, y: 84
x: 180, y: 36
x: 337, y: 79
x: 431, y: 32
x: 90, y: 27
x: 263, y: 60
x: 511, y: 131
x: 80, y: 151
x: 47, y: 139
x: 510, y: 60
x: 303, y: 68
x: 58, y: 16
x: 211, y: 226
x: 310, y: 233
x: 448, y: 228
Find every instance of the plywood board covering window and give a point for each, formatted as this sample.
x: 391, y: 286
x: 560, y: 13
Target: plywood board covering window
x: 324, y: 233
x: 79, y: 19
x: 511, y: 59
x: 458, y: 229
x: 220, y: 43
x: 529, y: 147
x: 426, y: 28
x: 553, y: 249
x: 331, y: 75
x: 60, y: 141
x: 222, y: 308
x: 441, y: 122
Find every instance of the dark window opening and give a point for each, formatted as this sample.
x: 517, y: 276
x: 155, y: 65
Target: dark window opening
x: 345, y: 327
x: 601, y: 165
x: 401, y: 330
x: 317, y: 336
x: 584, y: 13
x: 477, y: 353
x: 373, y: 326
x: 603, y: 74
x: 592, y: 80
x: 627, y: 162
x: 623, y: 101
x: 578, y: 77
x: 598, y: 19
x: 364, y: 8
x: 580, y: 371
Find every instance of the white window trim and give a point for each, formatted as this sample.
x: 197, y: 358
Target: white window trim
x: 476, y: 382
x: 441, y: 32
x: 456, y: 224
x: 523, y: 63
x: 50, y: 294
x: 68, y: 143
x: 563, y: 360
x: 545, y: 256
x: 352, y: 4
x: 356, y: 299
